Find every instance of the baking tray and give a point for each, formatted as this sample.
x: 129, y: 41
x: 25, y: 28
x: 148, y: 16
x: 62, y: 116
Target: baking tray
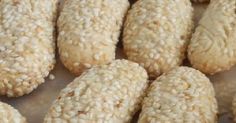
x: 35, y: 105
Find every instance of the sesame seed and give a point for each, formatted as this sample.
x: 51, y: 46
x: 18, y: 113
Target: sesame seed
x: 2, y: 48
x: 87, y: 65
x: 51, y: 77
x: 70, y: 42
x: 96, y: 57
x: 76, y: 64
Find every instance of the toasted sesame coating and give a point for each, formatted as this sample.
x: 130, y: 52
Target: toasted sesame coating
x: 105, y: 94
x: 8, y: 114
x: 213, y: 45
x: 89, y: 31
x: 183, y: 95
x: 26, y: 44
x: 225, y: 91
x: 156, y: 33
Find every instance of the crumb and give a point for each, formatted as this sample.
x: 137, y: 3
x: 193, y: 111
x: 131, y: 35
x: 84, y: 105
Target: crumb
x: 51, y: 77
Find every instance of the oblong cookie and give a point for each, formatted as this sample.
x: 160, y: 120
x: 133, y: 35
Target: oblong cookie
x: 156, y: 33
x: 26, y: 44
x: 105, y: 94
x: 8, y: 114
x: 89, y: 31
x: 213, y: 45
x: 183, y: 95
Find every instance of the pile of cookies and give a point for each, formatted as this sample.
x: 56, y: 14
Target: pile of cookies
x: 157, y: 36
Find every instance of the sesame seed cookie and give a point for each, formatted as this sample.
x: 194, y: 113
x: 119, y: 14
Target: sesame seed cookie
x: 89, y: 31
x: 213, y: 45
x: 183, y: 95
x: 26, y: 44
x: 156, y: 34
x: 105, y: 94
x: 8, y: 114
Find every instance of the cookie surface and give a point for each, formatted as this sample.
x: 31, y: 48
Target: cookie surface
x: 213, y: 45
x: 183, y: 95
x: 156, y: 33
x: 105, y: 94
x: 26, y: 44
x: 89, y: 31
x: 10, y: 115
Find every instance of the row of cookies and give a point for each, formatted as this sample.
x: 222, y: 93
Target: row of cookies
x: 87, y: 36
x: 138, y: 30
